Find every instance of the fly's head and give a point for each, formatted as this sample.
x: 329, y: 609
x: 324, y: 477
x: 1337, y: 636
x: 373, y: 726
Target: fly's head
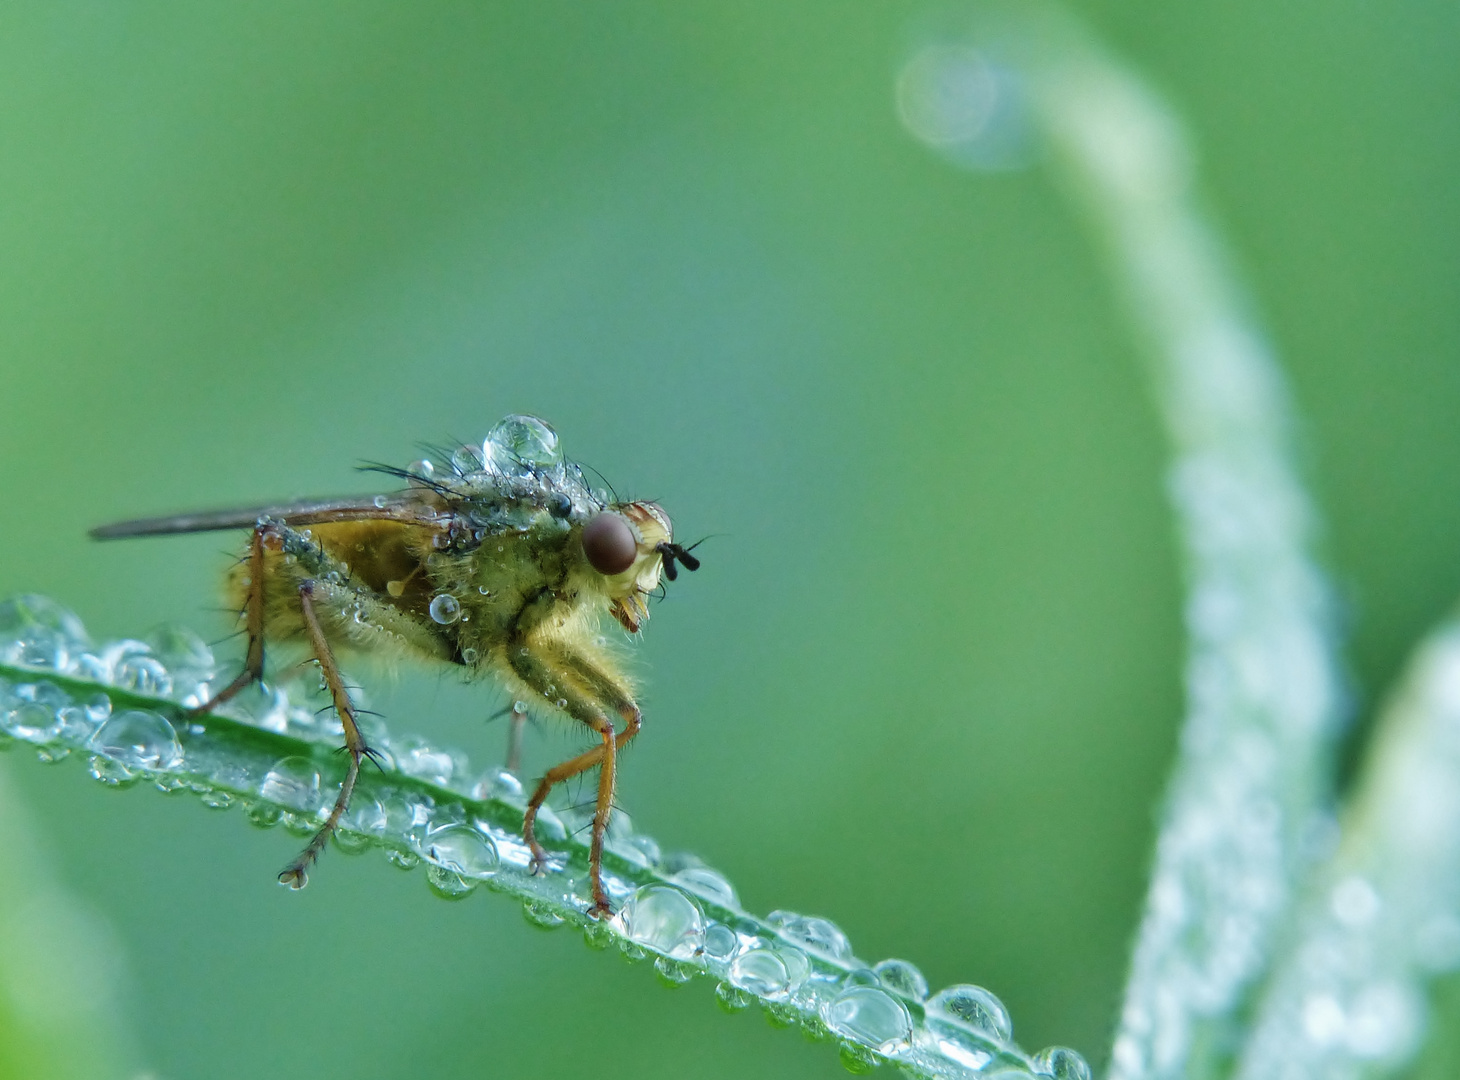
x: 632, y: 545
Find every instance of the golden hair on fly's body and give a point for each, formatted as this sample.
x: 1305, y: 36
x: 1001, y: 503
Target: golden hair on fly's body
x: 505, y: 564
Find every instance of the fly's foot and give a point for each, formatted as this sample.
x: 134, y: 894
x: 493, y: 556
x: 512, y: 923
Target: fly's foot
x: 601, y: 908
x: 294, y: 876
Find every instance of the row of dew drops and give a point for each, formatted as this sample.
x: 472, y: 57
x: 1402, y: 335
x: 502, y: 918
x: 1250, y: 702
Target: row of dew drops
x: 800, y: 968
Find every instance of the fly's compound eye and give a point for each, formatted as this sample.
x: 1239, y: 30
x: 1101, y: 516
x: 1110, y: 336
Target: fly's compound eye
x: 610, y: 544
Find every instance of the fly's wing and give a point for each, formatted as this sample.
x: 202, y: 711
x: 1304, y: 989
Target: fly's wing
x: 407, y: 506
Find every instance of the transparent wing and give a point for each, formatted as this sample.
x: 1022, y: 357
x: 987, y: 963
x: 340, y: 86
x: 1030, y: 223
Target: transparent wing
x: 408, y: 506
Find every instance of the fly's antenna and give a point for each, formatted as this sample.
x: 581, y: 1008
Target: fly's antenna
x: 670, y: 552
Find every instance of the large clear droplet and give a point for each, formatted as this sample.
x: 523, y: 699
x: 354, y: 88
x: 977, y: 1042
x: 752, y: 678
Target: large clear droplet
x: 709, y: 885
x: 761, y: 972
x: 664, y: 919
x: 869, y: 1016
x: 1062, y: 1063
x: 39, y: 632
x: 186, y: 657
x: 293, y: 783
x: 974, y: 1007
x: 520, y: 443
x: 132, y: 666
x: 138, y: 739
x: 822, y: 935
x: 462, y: 850
x: 902, y: 977
x: 445, y: 609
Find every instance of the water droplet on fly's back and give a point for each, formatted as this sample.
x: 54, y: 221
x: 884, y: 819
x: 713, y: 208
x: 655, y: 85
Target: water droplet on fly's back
x: 1062, y: 1063
x: 37, y: 631
x: 445, y: 609
x: 869, y: 1016
x: 664, y: 919
x: 760, y: 971
x: 421, y: 471
x: 138, y: 740
x: 973, y: 1007
x: 901, y: 977
x: 821, y: 935
x: 466, y: 459
x: 519, y: 443
x: 470, y: 655
x: 293, y: 783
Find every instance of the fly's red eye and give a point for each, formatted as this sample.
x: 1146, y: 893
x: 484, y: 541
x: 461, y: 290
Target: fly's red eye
x: 610, y: 544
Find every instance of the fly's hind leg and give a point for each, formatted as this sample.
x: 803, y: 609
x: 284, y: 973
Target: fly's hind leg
x: 585, y: 694
x: 295, y: 875
x: 253, y: 619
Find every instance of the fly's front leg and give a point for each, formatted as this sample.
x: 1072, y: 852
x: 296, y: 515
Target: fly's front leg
x: 253, y: 615
x: 295, y: 875
x: 586, y: 694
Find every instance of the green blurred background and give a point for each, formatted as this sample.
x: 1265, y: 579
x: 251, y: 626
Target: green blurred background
x: 928, y: 679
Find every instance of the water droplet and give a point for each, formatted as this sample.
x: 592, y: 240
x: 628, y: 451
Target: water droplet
x: 463, y: 852
x: 365, y: 819
x: 820, y: 935
x: 902, y: 978
x: 132, y: 666
x: 466, y: 459
x: 263, y: 815
x: 870, y: 1017
x: 37, y: 631
x: 420, y: 759
x: 109, y: 772
x: 857, y: 1060
x: 187, y: 658
x: 664, y: 919
x: 33, y: 722
x: 1062, y: 1063
x: 731, y: 998
x: 975, y: 1008
x: 293, y: 783
x: 138, y: 740
x: 760, y: 971
x: 49, y: 755
x: 542, y: 915
x: 470, y: 655
x: 520, y: 443
x: 215, y: 799
x: 672, y: 972
x: 404, y: 860
x: 798, y: 967
x: 421, y: 469
x: 445, y: 609
x: 721, y: 943
x: 709, y: 885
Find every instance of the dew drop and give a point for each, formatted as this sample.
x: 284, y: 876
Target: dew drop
x: 1062, y: 1063
x: 721, y: 943
x: 109, y: 772
x: 462, y: 850
x: 215, y: 799
x: 542, y: 915
x: 519, y: 443
x: 821, y: 935
x: 466, y: 459
x: 421, y: 469
x: 445, y: 609
x: 974, y: 1007
x: 293, y: 783
x: 470, y: 655
x: 731, y: 998
x: 760, y: 971
x: 869, y: 1016
x: 33, y: 722
x: 709, y: 885
x: 857, y: 1060
x: 672, y: 972
x: 37, y: 631
x: 901, y: 977
x: 133, y: 667
x: 404, y: 860
x: 138, y: 740
x: 665, y: 920
x: 262, y: 815
x: 419, y: 759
